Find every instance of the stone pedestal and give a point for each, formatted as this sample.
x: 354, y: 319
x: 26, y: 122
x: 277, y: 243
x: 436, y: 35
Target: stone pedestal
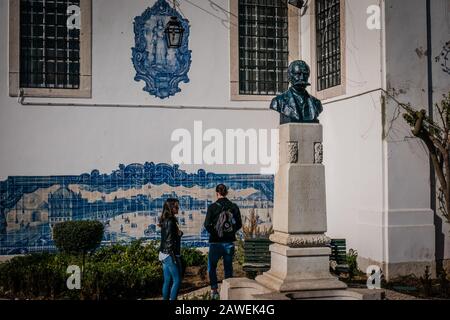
x: 300, y: 253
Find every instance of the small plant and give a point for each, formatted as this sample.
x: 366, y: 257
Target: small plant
x: 251, y: 229
x: 206, y: 296
x: 426, y: 282
x: 239, y: 256
x: 352, y: 261
x: 203, y: 272
x: 444, y: 283
x: 193, y: 257
x: 203, y: 296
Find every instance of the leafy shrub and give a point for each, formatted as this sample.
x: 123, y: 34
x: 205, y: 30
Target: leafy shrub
x: 116, y: 272
x: 123, y: 272
x: 444, y: 283
x: 37, y: 275
x: 426, y: 282
x: 352, y: 261
x: 78, y: 237
x: 240, y: 254
x: 193, y: 257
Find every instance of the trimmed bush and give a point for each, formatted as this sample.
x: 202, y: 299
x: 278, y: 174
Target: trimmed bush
x: 193, y: 257
x: 118, y: 272
x: 123, y: 272
x: 35, y: 276
x: 78, y: 237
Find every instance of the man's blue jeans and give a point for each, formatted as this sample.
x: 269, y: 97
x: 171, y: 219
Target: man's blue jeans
x: 172, y: 274
x: 216, y: 251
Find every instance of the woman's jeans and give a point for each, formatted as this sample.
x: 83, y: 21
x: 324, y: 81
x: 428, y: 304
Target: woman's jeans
x: 216, y: 251
x: 172, y: 275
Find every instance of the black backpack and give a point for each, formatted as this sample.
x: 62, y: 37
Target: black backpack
x: 225, y: 222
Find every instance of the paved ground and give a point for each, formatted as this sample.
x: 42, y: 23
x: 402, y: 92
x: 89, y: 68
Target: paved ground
x: 389, y: 295
x: 202, y: 293
x: 393, y: 295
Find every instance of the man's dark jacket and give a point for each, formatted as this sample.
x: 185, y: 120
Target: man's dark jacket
x: 212, y: 216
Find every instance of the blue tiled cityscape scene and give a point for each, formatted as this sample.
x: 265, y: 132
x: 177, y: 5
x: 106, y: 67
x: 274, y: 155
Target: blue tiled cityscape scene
x: 128, y: 202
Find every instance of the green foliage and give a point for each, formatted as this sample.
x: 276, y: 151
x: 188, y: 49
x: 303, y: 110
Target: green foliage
x: 426, y: 282
x: 37, y: 275
x: 115, y: 272
x: 444, y: 283
x: 78, y: 237
x: 123, y: 272
x: 352, y: 261
x: 239, y: 256
x: 193, y: 257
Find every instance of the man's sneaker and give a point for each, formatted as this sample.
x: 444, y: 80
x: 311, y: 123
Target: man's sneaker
x: 215, y: 295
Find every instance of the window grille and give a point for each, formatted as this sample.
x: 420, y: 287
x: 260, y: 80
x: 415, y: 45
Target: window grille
x: 328, y: 43
x: 49, y: 51
x: 263, y: 47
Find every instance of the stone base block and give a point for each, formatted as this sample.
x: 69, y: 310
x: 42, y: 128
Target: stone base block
x: 300, y: 202
x: 287, y: 285
x: 241, y: 289
x: 245, y: 289
x: 295, y: 269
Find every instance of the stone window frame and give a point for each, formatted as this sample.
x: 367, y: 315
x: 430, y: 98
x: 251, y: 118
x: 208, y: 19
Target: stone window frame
x: 85, y: 89
x: 341, y: 89
x: 293, y: 47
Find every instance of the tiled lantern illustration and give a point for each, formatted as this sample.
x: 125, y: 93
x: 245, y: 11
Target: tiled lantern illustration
x: 174, y: 33
x: 297, y: 3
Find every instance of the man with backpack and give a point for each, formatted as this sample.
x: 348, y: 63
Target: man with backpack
x: 222, y: 221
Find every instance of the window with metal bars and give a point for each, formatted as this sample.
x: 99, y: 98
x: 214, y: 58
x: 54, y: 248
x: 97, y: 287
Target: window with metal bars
x: 328, y: 43
x: 263, y: 47
x: 49, y: 51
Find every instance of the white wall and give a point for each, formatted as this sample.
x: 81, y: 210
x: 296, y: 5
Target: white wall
x: 441, y: 84
x: 73, y: 140
x: 378, y: 190
x: 353, y: 150
x: 411, y: 226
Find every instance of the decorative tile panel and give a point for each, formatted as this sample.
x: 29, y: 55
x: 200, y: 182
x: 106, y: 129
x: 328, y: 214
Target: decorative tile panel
x: 128, y: 202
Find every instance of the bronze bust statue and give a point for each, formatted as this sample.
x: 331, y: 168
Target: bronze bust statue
x: 296, y: 105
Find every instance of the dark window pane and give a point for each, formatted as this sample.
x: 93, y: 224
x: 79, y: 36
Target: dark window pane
x: 328, y: 43
x: 263, y: 47
x: 49, y: 52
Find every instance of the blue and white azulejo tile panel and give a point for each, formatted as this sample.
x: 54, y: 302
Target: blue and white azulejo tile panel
x: 128, y: 202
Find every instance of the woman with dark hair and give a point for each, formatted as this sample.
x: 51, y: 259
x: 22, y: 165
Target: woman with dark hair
x: 169, y: 251
x: 222, y: 221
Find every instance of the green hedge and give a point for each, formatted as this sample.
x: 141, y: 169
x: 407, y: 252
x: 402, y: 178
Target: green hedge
x: 118, y: 272
x: 37, y: 275
x: 193, y: 257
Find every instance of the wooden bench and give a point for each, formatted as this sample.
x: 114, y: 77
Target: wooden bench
x: 338, y: 257
x: 256, y: 256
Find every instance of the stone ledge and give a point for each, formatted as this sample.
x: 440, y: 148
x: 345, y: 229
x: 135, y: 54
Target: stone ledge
x: 319, y: 282
x: 300, y: 240
x: 245, y: 289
